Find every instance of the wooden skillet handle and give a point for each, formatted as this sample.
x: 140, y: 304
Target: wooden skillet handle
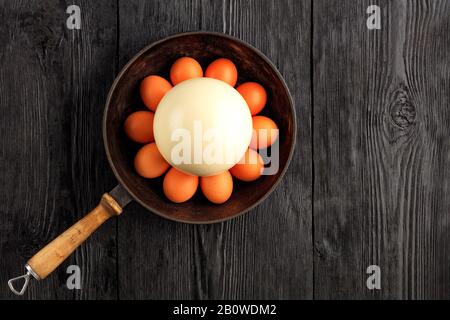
x: 53, y: 254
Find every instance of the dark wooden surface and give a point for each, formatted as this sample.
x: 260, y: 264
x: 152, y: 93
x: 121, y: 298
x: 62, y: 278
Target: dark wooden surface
x: 368, y: 184
x: 381, y: 149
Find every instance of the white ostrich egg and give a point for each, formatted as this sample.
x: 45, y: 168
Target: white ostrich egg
x: 202, y: 126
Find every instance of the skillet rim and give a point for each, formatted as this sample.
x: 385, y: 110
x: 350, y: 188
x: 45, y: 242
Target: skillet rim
x: 179, y: 35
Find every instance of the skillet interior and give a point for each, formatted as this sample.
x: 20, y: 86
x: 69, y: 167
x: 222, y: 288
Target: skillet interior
x: 157, y: 58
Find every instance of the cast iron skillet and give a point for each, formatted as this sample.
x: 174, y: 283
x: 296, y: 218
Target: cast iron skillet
x: 123, y: 98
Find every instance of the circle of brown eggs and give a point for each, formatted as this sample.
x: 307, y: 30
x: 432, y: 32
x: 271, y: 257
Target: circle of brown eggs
x: 179, y: 186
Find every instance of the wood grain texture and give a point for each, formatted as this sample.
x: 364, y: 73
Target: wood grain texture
x: 381, y: 149
x: 155, y: 255
x: 53, y: 83
x: 160, y: 259
x: 368, y: 184
x: 281, y: 224
x: 44, y: 262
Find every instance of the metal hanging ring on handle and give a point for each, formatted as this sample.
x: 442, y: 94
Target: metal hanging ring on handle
x: 26, y: 277
x: 11, y: 282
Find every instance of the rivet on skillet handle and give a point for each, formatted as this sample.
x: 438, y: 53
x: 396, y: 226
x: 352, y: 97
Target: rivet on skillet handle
x: 53, y: 254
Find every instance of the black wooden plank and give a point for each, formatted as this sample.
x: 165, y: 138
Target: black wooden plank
x: 380, y: 151
x: 155, y: 255
x: 381, y: 148
x: 265, y: 253
x: 53, y: 83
